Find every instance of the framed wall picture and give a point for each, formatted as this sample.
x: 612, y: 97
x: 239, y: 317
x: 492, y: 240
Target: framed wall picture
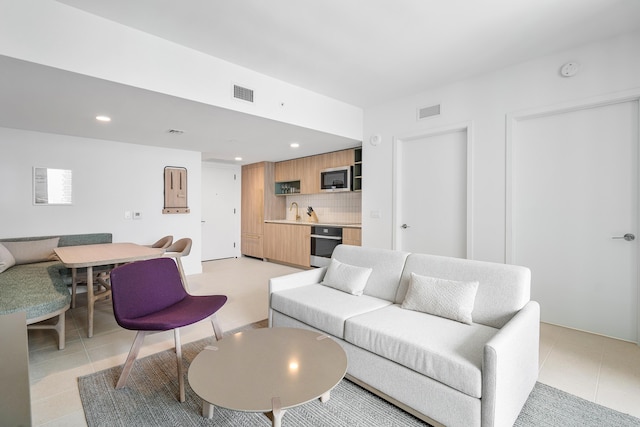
x: 52, y: 186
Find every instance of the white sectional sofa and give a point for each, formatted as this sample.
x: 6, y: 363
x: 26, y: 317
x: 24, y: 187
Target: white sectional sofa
x: 444, y: 371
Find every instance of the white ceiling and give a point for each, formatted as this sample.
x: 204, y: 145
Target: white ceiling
x: 46, y: 99
x: 363, y: 52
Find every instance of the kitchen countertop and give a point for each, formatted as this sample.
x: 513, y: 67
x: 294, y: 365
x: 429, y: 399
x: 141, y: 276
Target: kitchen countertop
x: 320, y: 223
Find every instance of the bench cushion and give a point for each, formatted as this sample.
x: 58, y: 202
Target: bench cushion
x: 322, y: 307
x: 31, y: 251
x: 446, y: 351
x: 6, y: 258
x: 36, y: 288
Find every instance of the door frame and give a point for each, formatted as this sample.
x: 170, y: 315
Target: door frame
x: 512, y: 120
x: 236, y: 224
x: 398, y: 144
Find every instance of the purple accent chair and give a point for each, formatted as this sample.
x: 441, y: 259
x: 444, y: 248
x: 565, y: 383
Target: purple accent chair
x: 148, y: 297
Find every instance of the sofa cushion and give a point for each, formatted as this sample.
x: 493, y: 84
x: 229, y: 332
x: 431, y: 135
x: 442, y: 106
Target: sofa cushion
x: 33, y: 251
x: 323, y: 307
x: 6, y: 259
x: 502, y: 289
x: 446, y: 351
x: 445, y: 298
x: 387, y: 266
x: 346, y: 278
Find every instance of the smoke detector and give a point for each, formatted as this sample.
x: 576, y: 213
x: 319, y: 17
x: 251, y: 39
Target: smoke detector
x: 569, y: 69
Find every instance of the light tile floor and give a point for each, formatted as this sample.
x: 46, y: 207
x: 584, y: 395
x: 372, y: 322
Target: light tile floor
x: 596, y: 368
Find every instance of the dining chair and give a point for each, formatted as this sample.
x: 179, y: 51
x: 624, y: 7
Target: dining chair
x: 163, y: 243
x: 148, y: 297
x: 177, y: 250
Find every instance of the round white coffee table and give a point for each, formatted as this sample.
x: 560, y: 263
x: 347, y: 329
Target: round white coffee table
x: 267, y: 370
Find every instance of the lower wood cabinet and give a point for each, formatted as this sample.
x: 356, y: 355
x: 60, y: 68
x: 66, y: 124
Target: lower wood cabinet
x: 287, y: 243
x: 352, y: 236
x: 251, y: 245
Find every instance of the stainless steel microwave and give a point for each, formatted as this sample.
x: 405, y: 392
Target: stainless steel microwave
x: 336, y: 179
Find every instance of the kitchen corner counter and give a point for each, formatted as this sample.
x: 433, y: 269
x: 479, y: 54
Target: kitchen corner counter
x: 321, y: 224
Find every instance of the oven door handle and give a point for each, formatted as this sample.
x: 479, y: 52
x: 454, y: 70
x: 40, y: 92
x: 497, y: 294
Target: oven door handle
x: 319, y: 236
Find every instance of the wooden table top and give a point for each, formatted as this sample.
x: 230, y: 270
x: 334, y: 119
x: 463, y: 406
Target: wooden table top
x: 105, y: 253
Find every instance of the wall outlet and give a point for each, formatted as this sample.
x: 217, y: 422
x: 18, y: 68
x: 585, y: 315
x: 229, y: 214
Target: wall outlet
x: 375, y: 214
x: 127, y: 215
x: 137, y: 215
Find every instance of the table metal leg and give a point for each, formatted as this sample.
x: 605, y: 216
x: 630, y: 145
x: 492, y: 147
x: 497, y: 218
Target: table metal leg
x: 277, y: 412
x: 207, y: 409
x: 325, y: 397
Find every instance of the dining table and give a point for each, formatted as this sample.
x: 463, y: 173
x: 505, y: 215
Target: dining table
x: 106, y: 256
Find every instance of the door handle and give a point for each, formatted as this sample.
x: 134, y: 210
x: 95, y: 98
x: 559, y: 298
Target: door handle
x: 628, y: 237
x: 404, y: 226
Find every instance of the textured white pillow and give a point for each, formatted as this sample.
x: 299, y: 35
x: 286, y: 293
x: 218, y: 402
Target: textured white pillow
x: 445, y: 298
x: 347, y: 278
x: 6, y: 259
x: 30, y: 251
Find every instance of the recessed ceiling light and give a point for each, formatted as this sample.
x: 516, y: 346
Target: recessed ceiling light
x: 238, y: 159
x: 103, y: 118
x: 294, y: 145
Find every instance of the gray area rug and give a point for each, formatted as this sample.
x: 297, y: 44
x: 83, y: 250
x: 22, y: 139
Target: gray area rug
x: 151, y: 400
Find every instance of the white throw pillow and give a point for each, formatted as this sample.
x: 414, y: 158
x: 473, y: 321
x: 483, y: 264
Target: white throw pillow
x: 444, y: 298
x: 6, y: 259
x: 30, y: 251
x: 347, y: 278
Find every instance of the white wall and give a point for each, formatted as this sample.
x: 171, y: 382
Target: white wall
x: 108, y: 179
x: 54, y: 34
x: 606, y: 67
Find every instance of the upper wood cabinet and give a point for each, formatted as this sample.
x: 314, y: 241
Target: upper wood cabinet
x: 307, y: 169
x: 288, y: 170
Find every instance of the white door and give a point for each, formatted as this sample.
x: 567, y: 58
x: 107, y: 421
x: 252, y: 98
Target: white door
x: 220, y: 211
x: 431, y: 186
x: 575, y: 193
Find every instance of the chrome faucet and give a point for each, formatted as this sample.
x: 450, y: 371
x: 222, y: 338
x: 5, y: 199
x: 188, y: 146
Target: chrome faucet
x: 291, y: 207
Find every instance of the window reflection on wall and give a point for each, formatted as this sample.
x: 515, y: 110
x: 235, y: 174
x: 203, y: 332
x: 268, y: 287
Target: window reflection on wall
x: 52, y: 186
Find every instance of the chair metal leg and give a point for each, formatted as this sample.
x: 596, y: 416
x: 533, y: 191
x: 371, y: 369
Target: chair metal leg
x: 176, y: 334
x: 131, y: 358
x: 217, y: 330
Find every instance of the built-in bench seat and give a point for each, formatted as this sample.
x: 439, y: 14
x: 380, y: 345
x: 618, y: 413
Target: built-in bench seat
x: 40, y: 288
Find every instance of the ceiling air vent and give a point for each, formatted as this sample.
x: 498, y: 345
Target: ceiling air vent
x: 426, y: 112
x: 242, y: 93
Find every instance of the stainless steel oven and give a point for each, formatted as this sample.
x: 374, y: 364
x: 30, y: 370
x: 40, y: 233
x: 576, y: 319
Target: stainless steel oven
x: 323, y: 242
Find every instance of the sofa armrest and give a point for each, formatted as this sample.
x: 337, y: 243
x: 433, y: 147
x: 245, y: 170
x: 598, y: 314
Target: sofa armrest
x: 510, y: 367
x: 295, y: 280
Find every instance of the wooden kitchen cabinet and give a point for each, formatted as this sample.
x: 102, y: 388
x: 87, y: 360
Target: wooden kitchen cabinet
x: 258, y: 202
x: 310, y: 182
x: 287, y: 243
x: 352, y: 236
x: 307, y: 169
x: 288, y: 170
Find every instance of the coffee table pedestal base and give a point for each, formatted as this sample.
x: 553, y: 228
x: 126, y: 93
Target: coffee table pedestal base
x: 275, y: 415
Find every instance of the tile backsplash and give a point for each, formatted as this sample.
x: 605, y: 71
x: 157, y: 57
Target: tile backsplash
x: 330, y: 207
